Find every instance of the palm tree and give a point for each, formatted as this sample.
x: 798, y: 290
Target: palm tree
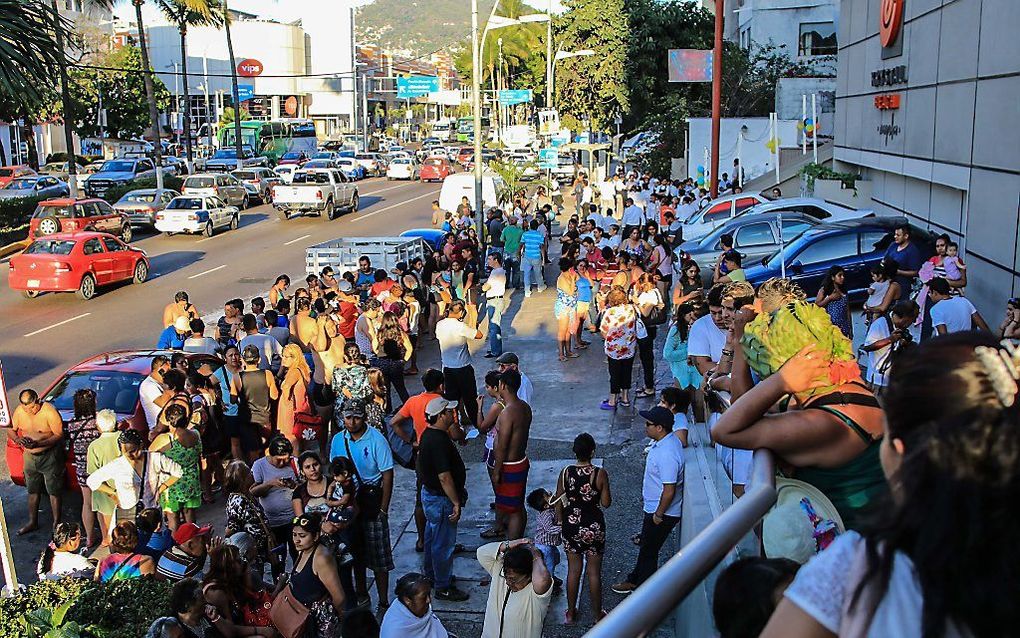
x: 233, y: 84
x: 186, y: 14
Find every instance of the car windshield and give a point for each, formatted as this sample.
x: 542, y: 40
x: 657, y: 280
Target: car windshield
x: 325, y: 155
x: 53, y: 211
x: 117, y: 166
x: 200, y: 182
x: 362, y: 156
x: 117, y: 391
x: 434, y: 161
x: 50, y: 247
x: 25, y: 184
x: 291, y: 156
x: 138, y: 198
x: 244, y: 174
x: 6, y: 172
x: 185, y: 203
x: 317, y: 164
x: 401, y: 160
x: 311, y: 178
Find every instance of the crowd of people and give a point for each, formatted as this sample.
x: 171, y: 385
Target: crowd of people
x: 293, y: 411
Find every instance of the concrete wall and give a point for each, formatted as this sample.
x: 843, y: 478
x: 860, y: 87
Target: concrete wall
x: 778, y: 22
x: 755, y: 157
x: 954, y: 165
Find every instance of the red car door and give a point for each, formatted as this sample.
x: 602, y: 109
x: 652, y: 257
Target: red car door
x: 123, y: 259
x: 108, y: 220
x: 101, y: 262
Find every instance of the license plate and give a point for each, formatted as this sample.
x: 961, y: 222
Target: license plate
x: 33, y: 283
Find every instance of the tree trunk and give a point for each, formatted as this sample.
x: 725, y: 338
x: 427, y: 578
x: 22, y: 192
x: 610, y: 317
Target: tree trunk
x: 65, y: 101
x: 28, y: 137
x: 3, y: 155
x: 233, y: 85
x: 150, y: 95
x: 187, y: 95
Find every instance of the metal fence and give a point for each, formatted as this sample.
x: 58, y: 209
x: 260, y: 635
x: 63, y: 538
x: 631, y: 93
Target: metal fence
x: 656, y: 598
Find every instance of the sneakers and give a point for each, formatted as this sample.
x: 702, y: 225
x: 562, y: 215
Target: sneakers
x: 624, y: 588
x: 452, y: 594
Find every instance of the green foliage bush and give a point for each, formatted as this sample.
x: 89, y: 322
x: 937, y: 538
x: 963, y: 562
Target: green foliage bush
x: 14, y: 216
x: 169, y: 181
x: 47, y: 594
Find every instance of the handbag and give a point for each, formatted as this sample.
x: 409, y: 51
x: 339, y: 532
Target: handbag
x: 289, y: 615
x: 656, y: 315
x: 639, y: 325
x: 368, y: 496
x: 308, y: 425
x: 257, y: 610
x: 403, y: 452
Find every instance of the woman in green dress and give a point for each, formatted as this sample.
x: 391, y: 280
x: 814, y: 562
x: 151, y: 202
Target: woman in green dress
x: 183, y: 445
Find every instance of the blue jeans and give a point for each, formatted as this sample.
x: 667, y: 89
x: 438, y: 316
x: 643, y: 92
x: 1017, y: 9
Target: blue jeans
x: 494, y: 311
x: 440, y: 538
x: 550, y: 556
x: 532, y: 268
x: 513, y: 272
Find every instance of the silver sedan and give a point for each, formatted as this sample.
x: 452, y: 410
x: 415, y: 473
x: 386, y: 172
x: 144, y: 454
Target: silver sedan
x: 43, y: 186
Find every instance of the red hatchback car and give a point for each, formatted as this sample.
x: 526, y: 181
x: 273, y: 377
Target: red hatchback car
x: 68, y: 215
x: 9, y: 173
x: 115, y: 378
x: 75, y: 262
x: 435, y: 169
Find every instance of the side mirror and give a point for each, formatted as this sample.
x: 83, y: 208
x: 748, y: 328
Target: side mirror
x: 797, y: 267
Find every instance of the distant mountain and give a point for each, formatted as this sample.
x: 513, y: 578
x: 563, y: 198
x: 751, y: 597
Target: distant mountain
x: 418, y: 26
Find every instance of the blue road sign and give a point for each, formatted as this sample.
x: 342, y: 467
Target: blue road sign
x: 416, y: 86
x: 548, y: 158
x: 245, y: 92
x: 509, y: 97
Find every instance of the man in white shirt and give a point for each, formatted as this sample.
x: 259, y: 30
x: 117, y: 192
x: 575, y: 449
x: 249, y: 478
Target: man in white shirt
x: 198, y: 342
x: 883, y: 335
x: 952, y: 314
x: 633, y: 216
x: 662, y: 494
x: 458, y: 374
x: 495, y: 291
x: 151, y: 389
x: 510, y: 360
x: 270, y: 349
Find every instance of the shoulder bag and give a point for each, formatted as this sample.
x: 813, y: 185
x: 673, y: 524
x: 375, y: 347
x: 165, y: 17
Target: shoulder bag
x: 368, y: 496
x: 289, y: 615
x: 403, y: 452
x: 656, y: 314
x: 639, y: 326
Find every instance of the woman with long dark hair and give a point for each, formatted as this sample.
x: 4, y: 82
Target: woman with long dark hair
x: 315, y: 580
x: 690, y: 287
x: 61, y: 558
x: 941, y: 556
x: 833, y: 297
x: 82, y: 431
x: 674, y: 351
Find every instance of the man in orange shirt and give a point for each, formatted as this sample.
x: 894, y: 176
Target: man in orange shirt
x: 414, y: 409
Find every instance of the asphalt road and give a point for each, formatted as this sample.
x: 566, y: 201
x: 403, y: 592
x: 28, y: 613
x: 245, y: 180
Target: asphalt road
x: 40, y: 338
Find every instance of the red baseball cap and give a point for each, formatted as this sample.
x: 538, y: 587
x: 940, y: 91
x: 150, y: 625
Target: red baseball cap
x: 188, y: 531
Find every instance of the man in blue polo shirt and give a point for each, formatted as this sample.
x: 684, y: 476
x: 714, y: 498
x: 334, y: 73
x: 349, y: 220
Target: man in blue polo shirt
x: 173, y: 337
x: 533, y: 253
x: 371, y: 454
x: 908, y: 259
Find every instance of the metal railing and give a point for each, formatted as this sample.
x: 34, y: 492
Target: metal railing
x: 656, y: 598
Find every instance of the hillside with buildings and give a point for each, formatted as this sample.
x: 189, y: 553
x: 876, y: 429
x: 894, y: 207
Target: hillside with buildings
x: 417, y: 27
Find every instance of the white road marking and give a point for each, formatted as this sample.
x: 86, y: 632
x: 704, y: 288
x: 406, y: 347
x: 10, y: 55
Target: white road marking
x: 59, y: 323
x: 383, y: 210
x: 383, y: 190
x: 294, y: 241
x: 206, y: 272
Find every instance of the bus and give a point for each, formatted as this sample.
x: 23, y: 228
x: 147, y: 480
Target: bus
x: 272, y: 138
x: 466, y: 127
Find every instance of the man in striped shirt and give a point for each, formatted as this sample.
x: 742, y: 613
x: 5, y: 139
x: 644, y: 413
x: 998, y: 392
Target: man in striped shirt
x: 533, y: 255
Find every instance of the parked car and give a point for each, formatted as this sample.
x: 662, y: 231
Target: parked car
x: 141, y: 205
x: 86, y: 172
x: 261, y: 180
x: 326, y: 164
x: 117, y: 172
x: 174, y: 165
x: 715, y: 214
x: 402, y: 168
x: 197, y: 214
x: 224, y: 186
x: 372, y: 163
x: 59, y: 170
x: 35, y: 186
x: 115, y: 377
x: 293, y: 158
x: 68, y: 215
x: 435, y: 169
x: 75, y: 262
x: 564, y: 171
x: 7, y: 173
x: 225, y: 160
x: 286, y: 172
x: 856, y: 245
x: 317, y: 191
x: 754, y: 237
x: 351, y: 168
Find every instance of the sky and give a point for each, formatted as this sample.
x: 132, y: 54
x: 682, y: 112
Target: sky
x: 278, y: 9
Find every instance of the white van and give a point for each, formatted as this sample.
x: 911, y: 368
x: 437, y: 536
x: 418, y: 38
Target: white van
x: 463, y: 185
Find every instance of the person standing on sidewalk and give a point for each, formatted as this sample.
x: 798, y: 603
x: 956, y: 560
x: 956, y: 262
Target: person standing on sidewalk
x: 533, y: 255
x: 510, y: 456
x: 458, y: 373
x: 443, y: 493
x: 662, y: 492
x: 511, y: 237
x: 39, y: 431
x: 495, y: 290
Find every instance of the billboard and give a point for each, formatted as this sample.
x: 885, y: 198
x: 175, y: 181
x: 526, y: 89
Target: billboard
x: 416, y: 86
x: 690, y: 65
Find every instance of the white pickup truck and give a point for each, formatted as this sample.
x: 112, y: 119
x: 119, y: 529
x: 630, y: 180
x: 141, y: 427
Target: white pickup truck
x: 316, y: 190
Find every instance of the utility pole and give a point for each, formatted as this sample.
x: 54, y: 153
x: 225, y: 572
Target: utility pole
x: 364, y: 112
x: 716, y: 94
x: 476, y: 98
x: 233, y: 88
x: 548, y: 57
x: 65, y: 100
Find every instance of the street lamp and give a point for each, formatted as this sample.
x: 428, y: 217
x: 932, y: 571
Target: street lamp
x: 562, y: 55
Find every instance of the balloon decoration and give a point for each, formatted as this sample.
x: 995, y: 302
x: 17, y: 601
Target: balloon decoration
x: 700, y: 177
x: 773, y: 145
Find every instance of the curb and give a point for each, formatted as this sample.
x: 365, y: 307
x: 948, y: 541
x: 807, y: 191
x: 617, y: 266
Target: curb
x: 10, y: 249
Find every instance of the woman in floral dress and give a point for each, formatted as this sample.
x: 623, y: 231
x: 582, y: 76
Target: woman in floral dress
x: 184, y: 446
x: 350, y: 379
x: 619, y: 328
x: 82, y: 430
x: 585, y: 492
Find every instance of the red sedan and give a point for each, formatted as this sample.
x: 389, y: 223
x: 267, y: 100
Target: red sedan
x: 78, y: 262
x: 435, y: 169
x: 115, y: 378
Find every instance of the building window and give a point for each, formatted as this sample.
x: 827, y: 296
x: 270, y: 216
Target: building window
x: 745, y: 38
x: 817, y: 38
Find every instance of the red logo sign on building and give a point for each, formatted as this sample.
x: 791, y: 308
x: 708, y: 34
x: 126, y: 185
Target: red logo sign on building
x: 250, y: 68
x: 890, y: 20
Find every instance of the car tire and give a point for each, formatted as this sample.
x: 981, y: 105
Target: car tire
x: 245, y: 202
x: 30, y: 294
x: 330, y: 210
x: 284, y: 215
x: 87, y: 287
x: 141, y: 272
x: 208, y: 231
x: 355, y: 202
x: 49, y: 225
x: 234, y: 222
x: 125, y: 233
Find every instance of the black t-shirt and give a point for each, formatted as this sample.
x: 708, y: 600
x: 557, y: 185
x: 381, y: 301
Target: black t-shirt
x: 437, y: 454
x: 471, y: 268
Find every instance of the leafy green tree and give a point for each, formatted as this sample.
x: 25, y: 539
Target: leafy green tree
x: 123, y: 91
x: 521, y: 44
x: 31, y: 54
x: 592, y: 88
x: 227, y: 117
